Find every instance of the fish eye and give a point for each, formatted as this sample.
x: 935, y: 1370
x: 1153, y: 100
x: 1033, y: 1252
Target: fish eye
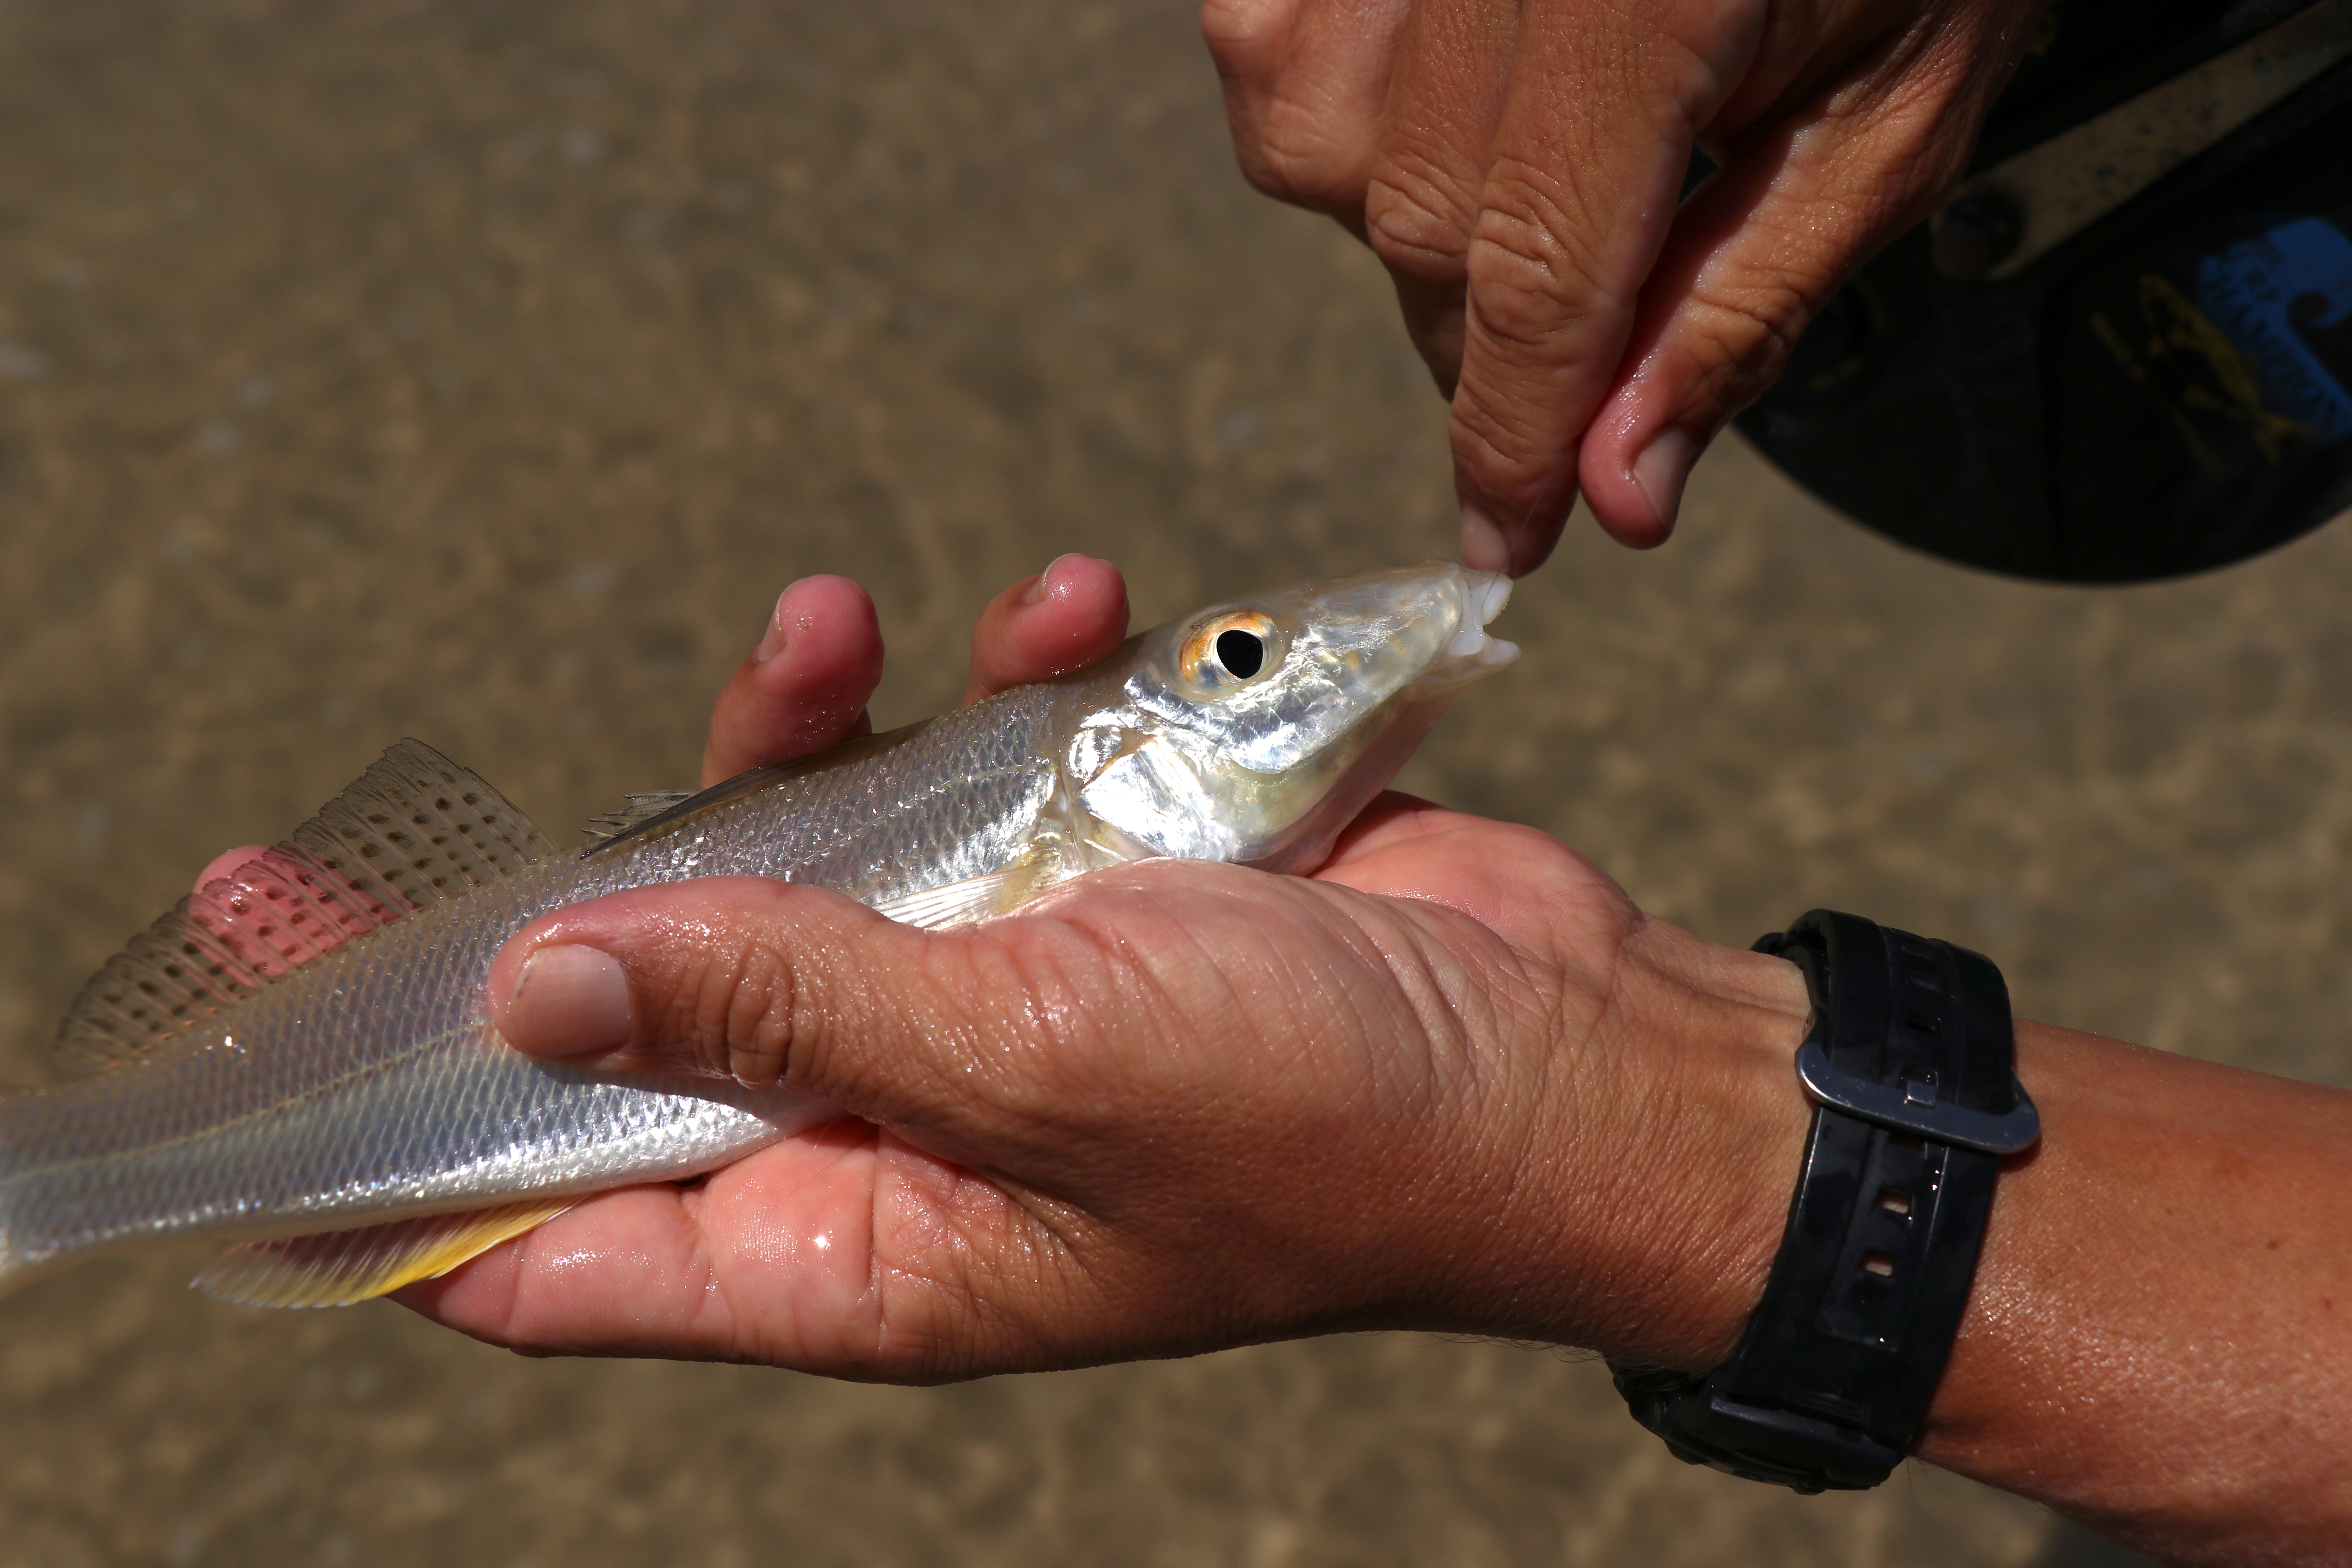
x: 1229, y: 650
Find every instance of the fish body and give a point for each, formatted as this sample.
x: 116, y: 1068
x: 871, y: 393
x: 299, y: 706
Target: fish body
x: 302, y: 1062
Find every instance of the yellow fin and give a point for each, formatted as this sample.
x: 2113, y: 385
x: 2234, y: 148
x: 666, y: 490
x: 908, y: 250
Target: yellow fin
x: 336, y: 1268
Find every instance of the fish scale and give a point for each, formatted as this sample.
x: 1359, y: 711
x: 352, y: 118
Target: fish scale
x: 359, y: 1100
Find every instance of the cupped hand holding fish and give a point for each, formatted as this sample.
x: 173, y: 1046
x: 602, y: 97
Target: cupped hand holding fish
x: 1170, y: 1107
x: 1084, y: 1071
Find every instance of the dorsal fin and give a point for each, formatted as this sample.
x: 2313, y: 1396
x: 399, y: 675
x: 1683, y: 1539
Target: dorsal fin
x: 417, y: 827
x: 413, y: 829
x: 641, y: 808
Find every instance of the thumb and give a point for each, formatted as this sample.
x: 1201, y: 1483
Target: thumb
x: 743, y: 978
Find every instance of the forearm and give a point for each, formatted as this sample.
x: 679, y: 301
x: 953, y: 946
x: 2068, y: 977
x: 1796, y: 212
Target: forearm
x: 2160, y: 1335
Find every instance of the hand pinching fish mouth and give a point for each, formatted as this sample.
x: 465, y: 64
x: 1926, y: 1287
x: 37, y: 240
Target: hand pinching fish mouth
x: 298, y: 1059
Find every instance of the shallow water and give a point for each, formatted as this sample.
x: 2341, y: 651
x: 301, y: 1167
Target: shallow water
x: 481, y: 373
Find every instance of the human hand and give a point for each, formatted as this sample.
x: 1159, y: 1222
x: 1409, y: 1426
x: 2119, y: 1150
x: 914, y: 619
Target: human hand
x: 1516, y: 166
x: 1456, y: 1081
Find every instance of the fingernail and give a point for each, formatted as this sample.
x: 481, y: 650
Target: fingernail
x: 1661, y: 469
x: 772, y: 640
x: 1483, y: 548
x: 572, y: 1000
x: 1043, y: 585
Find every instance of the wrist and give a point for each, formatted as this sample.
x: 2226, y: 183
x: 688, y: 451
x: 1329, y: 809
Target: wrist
x: 1688, y: 1125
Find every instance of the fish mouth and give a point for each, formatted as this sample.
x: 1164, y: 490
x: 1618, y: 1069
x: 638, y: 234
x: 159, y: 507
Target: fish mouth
x: 1471, y: 652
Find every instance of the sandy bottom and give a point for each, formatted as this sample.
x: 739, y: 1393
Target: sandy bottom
x: 481, y: 373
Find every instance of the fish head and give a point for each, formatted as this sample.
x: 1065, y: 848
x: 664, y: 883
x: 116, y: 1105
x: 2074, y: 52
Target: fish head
x: 1255, y: 730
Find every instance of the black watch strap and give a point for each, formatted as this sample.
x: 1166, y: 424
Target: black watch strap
x: 1911, y: 1064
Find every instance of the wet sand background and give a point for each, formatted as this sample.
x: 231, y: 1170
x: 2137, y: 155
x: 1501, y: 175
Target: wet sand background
x: 481, y: 372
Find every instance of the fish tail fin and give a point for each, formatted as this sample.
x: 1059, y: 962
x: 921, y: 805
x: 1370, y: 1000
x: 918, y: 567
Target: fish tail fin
x: 340, y: 1268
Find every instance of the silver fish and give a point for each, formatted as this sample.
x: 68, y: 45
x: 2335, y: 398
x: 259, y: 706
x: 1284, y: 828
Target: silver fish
x: 297, y: 1059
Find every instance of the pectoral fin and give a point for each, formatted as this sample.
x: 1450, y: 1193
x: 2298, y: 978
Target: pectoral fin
x: 973, y: 899
x: 641, y: 809
x: 336, y: 1268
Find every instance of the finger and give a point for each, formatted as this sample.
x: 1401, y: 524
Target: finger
x: 1065, y: 618
x: 804, y: 685
x: 934, y: 1033
x: 1595, y: 133
x: 751, y: 979
x: 1306, y: 82
x: 1756, y: 253
x: 1438, y: 131
x: 1247, y: 39
x: 228, y: 860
